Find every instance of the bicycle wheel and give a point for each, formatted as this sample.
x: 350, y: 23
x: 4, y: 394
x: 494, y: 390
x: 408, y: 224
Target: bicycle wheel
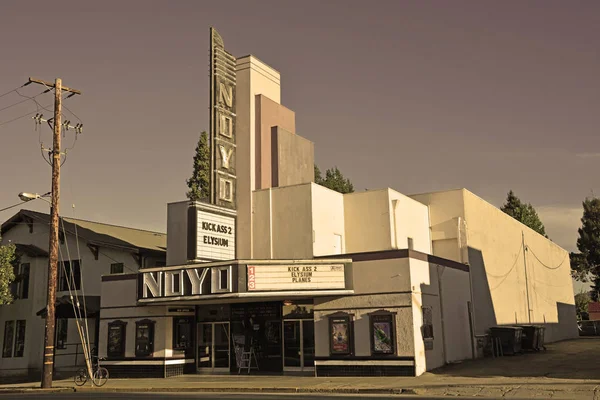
x: 100, y: 376
x: 80, y: 377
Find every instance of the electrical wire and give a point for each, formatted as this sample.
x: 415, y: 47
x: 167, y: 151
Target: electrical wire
x: 87, y: 331
x: 544, y: 265
x: 10, y: 91
x: 9, y: 207
x: 22, y: 116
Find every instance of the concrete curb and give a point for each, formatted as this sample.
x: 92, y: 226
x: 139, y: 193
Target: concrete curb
x: 35, y: 390
x: 250, y: 390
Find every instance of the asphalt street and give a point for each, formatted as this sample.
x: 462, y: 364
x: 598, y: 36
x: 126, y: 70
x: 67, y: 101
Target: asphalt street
x: 211, y: 396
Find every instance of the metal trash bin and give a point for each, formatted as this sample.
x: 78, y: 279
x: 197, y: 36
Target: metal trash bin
x: 510, y: 338
x: 540, y: 331
x: 530, y: 338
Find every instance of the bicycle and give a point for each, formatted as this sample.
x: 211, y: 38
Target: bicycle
x: 99, y: 375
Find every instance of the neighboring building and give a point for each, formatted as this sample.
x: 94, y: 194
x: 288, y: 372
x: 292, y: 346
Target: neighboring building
x: 87, y: 250
x: 594, y: 311
x: 300, y: 278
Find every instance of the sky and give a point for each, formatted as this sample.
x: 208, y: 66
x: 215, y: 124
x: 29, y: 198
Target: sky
x: 415, y: 95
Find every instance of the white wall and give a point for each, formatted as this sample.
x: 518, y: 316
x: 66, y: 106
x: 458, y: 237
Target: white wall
x: 327, y: 221
x: 253, y: 78
x: 367, y: 221
x: 409, y: 218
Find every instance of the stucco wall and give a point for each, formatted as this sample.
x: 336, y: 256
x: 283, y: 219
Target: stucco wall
x: 467, y: 228
x: 327, y: 221
x: 291, y: 222
x: 119, y: 303
x: 269, y: 114
x: 367, y: 221
x: 253, y: 78
x: 499, y: 263
x: 378, y: 285
x: 409, y: 218
x: 293, y: 158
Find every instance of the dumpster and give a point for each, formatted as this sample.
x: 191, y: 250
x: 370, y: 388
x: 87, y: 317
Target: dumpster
x: 541, y: 331
x: 510, y: 338
x: 530, y: 338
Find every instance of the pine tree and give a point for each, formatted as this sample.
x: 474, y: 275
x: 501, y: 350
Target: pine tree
x: 524, y: 213
x: 585, y: 265
x: 334, y: 180
x: 199, y: 183
x: 7, y: 274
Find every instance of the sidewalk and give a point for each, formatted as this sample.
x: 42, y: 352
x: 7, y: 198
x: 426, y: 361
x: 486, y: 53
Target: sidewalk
x: 568, y: 370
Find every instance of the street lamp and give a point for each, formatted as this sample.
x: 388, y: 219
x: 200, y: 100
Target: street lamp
x: 48, y: 360
x: 32, y: 196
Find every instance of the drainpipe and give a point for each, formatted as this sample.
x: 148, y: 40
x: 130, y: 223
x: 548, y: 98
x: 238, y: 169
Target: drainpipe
x: 444, y: 346
x: 394, y: 219
x: 471, y: 306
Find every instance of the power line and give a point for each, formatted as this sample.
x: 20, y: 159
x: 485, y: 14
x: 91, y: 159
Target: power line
x: 9, y: 207
x: 13, y: 90
x: 544, y: 265
x: 17, y: 118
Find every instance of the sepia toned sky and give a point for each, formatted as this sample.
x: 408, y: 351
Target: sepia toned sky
x: 415, y: 95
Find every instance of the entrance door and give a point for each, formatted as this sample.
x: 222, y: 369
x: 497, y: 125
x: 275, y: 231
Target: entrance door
x: 298, y: 345
x: 213, y: 346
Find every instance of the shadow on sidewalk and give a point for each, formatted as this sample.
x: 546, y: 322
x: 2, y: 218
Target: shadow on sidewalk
x: 569, y: 359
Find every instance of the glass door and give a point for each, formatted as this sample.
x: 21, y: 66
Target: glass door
x: 213, y: 346
x: 298, y: 345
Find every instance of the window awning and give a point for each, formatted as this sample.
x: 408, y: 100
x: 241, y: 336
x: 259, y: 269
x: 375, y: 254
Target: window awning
x: 64, y: 307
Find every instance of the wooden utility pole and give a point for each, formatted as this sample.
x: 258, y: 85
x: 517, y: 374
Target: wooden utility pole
x: 48, y: 366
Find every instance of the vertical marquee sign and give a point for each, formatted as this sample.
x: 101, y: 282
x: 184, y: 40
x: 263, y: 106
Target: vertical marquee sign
x: 222, y: 124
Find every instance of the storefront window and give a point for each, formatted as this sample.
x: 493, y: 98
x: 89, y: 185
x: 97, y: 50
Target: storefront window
x: 144, y: 338
x: 382, y: 334
x: 20, y: 339
x: 116, y: 339
x: 298, y: 311
x: 62, y: 327
x: 182, y: 333
x: 9, y: 333
x: 340, y: 328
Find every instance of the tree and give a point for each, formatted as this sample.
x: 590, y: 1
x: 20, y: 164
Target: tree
x: 199, y: 183
x: 582, y: 300
x: 585, y: 265
x: 334, y: 180
x: 7, y: 274
x: 524, y: 213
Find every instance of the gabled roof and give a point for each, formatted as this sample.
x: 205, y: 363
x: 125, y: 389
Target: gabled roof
x: 96, y: 233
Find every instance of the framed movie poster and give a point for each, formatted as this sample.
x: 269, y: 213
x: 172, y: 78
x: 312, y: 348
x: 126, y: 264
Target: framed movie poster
x: 341, y: 335
x: 382, y: 334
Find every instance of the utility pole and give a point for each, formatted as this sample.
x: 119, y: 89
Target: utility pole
x: 526, y: 280
x: 48, y: 366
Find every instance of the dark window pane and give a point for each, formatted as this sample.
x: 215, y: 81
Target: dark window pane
x: 62, y: 326
x: 24, y: 281
x: 20, y: 339
x: 144, y: 338
x: 116, y: 268
x: 9, y: 331
x: 69, y: 275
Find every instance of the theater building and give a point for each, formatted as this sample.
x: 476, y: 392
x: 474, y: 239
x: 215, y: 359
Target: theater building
x: 275, y: 274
